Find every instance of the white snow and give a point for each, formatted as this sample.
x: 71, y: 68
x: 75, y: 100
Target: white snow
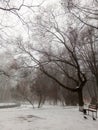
x: 46, y: 118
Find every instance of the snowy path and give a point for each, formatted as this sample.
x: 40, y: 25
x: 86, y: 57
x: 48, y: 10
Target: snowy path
x: 46, y: 118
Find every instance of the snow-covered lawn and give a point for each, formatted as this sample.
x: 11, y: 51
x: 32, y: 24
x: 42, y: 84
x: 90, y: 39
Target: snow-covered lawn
x: 46, y: 118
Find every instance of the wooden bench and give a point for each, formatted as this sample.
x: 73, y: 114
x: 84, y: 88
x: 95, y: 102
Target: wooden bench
x: 93, y: 109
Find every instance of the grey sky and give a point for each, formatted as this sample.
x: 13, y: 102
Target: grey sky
x: 13, y: 25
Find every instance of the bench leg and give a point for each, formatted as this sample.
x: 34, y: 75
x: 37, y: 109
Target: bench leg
x: 96, y: 114
x: 92, y: 114
x: 88, y: 112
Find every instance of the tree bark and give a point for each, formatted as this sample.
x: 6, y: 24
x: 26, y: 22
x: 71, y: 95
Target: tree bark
x: 81, y: 102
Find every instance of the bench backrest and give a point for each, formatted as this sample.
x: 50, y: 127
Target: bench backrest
x: 93, y: 106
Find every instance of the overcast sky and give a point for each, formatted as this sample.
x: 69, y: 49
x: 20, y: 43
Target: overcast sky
x: 12, y: 25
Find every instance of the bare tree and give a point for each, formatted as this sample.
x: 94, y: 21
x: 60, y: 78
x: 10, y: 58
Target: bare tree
x: 51, y: 34
x: 24, y: 91
x: 86, y: 12
x: 89, y: 51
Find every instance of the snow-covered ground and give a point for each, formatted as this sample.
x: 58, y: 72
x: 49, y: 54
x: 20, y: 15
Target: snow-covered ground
x: 46, y: 118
